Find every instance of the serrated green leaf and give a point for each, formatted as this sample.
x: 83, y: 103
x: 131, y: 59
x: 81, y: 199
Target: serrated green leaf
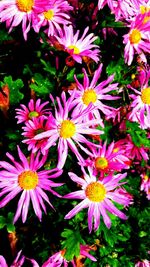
x: 70, y: 75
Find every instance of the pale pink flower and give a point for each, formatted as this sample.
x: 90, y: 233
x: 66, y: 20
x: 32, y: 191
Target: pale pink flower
x: 79, y: 47
x: 98, y: 196
x: 34, y: 127
x: 24, y: 177
x: 19, y: 261
x: 69, y: 129
x: 138, y: 39
x: 53, y: 18
x: 143, y: 263
x: 91, y: 92
x: 16, y: 11
x: 35, y: 109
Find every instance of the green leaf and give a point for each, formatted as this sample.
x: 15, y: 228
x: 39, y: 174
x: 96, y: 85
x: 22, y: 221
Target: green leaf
x: 2, y: 222
x: 70, y: 75
x: 42, y: 85
x: 9, y: 222
x: 47, y: 67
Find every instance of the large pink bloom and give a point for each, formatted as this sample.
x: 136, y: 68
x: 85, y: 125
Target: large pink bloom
x: 69, y: 129
x: 35, y: 109
x: 91, y: 92
x: 79, y: 47
x: 16, y: 11
x: 53, y: 18
x: 98, y: 196
x: 24, y: 177
x: 138, y: 38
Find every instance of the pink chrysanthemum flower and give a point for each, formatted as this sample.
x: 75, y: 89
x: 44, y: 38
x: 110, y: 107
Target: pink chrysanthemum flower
x: 143, y: 263
x: 34, y: 127
x: 110, y: 3
x: 34, y: 110
x: 16, y: 11
x: 54, y: 17
x: 97, y: 197
x: 69, y: 130
x: 138, y: 38
x: 19, y: 261
x: 145, y: 185
x: 91, y: 92
x: 24, y: 177
x: 107, y: 160
x: 79, y: 47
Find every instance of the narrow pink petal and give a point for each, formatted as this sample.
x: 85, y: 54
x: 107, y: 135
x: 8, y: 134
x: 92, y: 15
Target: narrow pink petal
x: 76, y: 209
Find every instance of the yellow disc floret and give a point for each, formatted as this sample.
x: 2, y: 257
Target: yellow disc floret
x: 145, y: 96
x: 135, y: 36
x: 89, y: 96
x: 33, y: 114
x: 28, y: 180
x: 76, y: 50
x: 25, y: 5
x: 95, y: 192
x: 49, y: 14
x: 101, y: 163
x: 144, y: 9
x: 67, y: 129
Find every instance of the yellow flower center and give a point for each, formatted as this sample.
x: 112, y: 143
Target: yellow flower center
x: 101, y: 163
x: 25, y: 5
x: 146, y: 19
x: 33, y: 114
x: 75, y: 49
x: 49, y: 14
x: 144, y: 9
x: 95, y: 192
x: 89, y: 96
x: 135, y: 36
x: 67, y: 129
x: 28, y: 180
x: 145, y: 177
x: 115, y: 150
x: 145, y: 96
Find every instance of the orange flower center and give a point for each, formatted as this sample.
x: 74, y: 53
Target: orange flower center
x: 28, y: 180
x: 89, y: 96
x: 76, y: 50
x: 49, y: 14
x: 145, y: 96
x: 144, y: 9
x: 95, y: 192
x: 145, y: 177
x: 101, y: 163
x: 25, y: 5
x: 135, y: 36
x: 67, y: 129
x: 33, y: 114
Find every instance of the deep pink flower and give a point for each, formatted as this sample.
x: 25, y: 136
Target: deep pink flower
x: 79, y: 47
x: 69, y: 129
x: 138, y: 38
x: 24, y: 177
x: 34, y: 110
x: 16, y: 11
x: 97, y: 196
x: 143, y: 263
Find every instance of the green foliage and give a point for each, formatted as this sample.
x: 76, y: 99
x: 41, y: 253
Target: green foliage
x: 8, y: 222
x: 42, y: 85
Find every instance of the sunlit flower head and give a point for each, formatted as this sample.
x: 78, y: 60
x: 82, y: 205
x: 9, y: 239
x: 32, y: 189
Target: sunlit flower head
x: 69, y: 129
x: 107, y: 159
x: 34, y: 127
x: 138, y: 38
x: 35, y: 109
x: 91, y: 92
x: 24, y: 177
x: 16, y: 11
x: 53, y: 18
x: 99, y: 197
x: 79, y: 47
x: 19, y: 261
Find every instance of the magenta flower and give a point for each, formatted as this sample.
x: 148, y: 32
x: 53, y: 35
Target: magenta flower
x: 54, y: 17
x: 69, y: 130
x: 23, y: 177
x: 91, y: 92
x: 19, y: 261
x: 79, y: 47
x: 34, y: 110
x: 98, y: 196
x: 143, y: 263
x: 145, y: 185
x: 34, y: 127
x: 138, y: 38
x: 16, y: 11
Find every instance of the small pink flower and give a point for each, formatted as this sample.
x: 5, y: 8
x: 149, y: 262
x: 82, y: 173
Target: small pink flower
x: 143, y: 263
x: 98, y: 196
x: 34, y: 110
x: 79, y: 47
